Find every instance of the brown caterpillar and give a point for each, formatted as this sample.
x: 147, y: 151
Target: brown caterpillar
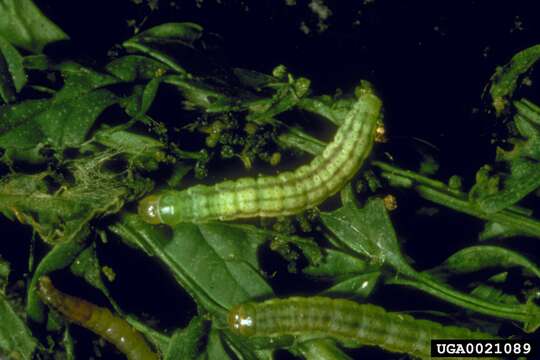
x: 345, y: 321
x: 285, y: 194
x: 99, y: 320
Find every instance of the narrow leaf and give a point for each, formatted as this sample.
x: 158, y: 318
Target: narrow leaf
x: 15, y: 337
x: 359, y: 286
x: 185, y: 32
x: 61, y: 256
x: 477, y: 258
x: 185, y: 344
x: 14, y: 62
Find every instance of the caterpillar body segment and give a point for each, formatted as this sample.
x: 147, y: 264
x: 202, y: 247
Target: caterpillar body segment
x: 99, y: 320
x: 285, y: 194
x: 345, y: 321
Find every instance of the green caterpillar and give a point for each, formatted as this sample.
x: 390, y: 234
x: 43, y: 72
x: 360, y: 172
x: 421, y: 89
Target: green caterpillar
x: 99, y: 320
x: 345, y: 321
x: 285, y: 194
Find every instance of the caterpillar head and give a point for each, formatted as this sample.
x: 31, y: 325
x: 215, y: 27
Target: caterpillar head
x: 242, y: 319
x: 149, y: 209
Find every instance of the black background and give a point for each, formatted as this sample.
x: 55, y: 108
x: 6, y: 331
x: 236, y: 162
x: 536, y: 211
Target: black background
x: 430, y: 61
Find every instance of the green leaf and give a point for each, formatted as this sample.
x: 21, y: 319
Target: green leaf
x: 5, y: 269
x: 12, y: 129
x: 63, y: 121
x: 524, y: 179
x: 201, y: 95
x: 66, y: 123
x: 332, y: 109
x: 79, y: 80
x: 180, y: 170
x: 87, y: 266
x: 15, y: 65
x: 7, y: 92
x: 16, y: 340
x: 61, y: 256
x: 151, y: 42
x: 64, y: 214
x: 135, y: 67
x: 216, y: 263
x: 477, y: 258
x: 19, y: 135
x: 149, y: 94
x: 500, y: 191
x: 141, y: 151
x: 185, y: 344
x: 286, y: 97
x: 128, y: 142
x: 25, y: 26
x: 186, y: 33
x: 493, y: 230
x: 529, y: 111
x: 360, y: 286
x: 335, y: 264
x: 527, y: 122
x: 216, y: 348
x: 12, y: 74
x: 281, y: 244
x: 491, y: 293
x: 69, y: 345
x: 505, y: 79
x: 253, y: 79
x: 219, y: 256
x: 220, y: 343
x: 37, y: 62
x: 369, y: 232
x: 160, y: 340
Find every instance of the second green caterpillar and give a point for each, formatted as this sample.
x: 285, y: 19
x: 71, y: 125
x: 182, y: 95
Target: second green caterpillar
x: 285, y: 194
x: 346, y: 321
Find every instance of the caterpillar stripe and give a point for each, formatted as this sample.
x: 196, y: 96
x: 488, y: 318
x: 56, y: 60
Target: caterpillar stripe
x: 99, y: 320
x: 345, y: 321
x: 285, y: 194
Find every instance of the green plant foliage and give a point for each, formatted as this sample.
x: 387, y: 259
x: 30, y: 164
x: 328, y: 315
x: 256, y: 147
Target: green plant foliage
x: 59, y: 122
x: 187, y: 343
x: 495, y: 192
x: 147, y: 42
x: 12, y: 73
x: 369, y: 232
x: 477, y: 258
x: 63, y: 214
x: 505, y: 80
x: 15, y: 338
x: 25, y: 26
x: 229, y: 250
x: 81, y: 145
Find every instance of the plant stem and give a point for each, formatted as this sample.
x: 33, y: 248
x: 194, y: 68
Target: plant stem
x: 439, y: 193
x: 528, y: 315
